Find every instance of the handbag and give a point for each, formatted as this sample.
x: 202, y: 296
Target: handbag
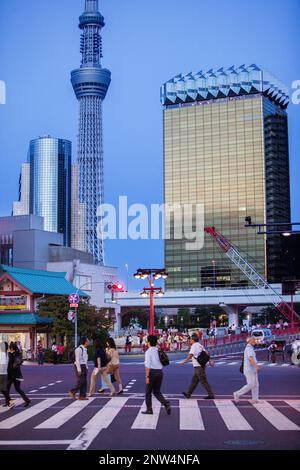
x: 163, y: 357
x: 17, y: 362
x: 242, y: 367
x: 203, y: 358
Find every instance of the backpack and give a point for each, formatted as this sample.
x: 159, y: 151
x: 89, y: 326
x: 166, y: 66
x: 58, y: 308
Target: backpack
x: 203, y: 358
x: 163, y: 357
x: 71, y: 355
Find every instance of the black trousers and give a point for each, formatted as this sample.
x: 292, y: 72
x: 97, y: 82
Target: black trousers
x: 200, y: 376
x: 54, y: 357
x: 17, y: 385
x: 154, y: 386
x: 81, y: 384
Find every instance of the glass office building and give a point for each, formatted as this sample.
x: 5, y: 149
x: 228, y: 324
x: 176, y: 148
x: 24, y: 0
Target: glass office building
x: 50, y: 183
x: 226, y: 146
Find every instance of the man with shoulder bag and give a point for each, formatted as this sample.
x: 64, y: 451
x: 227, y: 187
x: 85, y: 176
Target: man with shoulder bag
x: 200, y: 359
x: 154, y: 362
x: 81, y: 370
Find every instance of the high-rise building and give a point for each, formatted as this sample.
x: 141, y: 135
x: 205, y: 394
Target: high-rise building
x: 226, y: 146
x: 21, y: 207
x: 90, y: 83
x: 46, y: 184
x: 78, y: 232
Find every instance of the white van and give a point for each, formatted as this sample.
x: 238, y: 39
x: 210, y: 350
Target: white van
x: 263, y: 336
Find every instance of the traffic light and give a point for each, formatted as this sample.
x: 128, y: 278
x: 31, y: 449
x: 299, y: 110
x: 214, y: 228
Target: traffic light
x: 119, y: 287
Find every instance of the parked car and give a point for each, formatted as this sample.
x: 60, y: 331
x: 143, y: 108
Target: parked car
x: 264, y: 336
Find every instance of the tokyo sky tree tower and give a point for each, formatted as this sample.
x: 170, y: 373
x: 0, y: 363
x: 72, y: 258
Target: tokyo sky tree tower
x: 90, y: 83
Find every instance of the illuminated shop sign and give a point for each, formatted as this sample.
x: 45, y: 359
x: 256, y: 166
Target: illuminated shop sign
x: 17, y: 302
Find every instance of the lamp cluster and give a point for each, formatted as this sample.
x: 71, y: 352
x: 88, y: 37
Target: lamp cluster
x: 144, y: 273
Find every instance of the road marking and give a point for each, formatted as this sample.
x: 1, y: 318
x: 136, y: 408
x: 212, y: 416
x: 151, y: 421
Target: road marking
x: 232, y: 363
x: 272, y: 365
x: 147, y: 421
x: 277, y: 419
x: 17, y: 402
x: 64, y: 415
x: 58, y: 382
x: 190, y: 418
x: 33, y: 391
x: 294, y: 404
x: 285, y: 365
x: 101, y: 420
x: 220, y: 363
x: 41, y: 388
x: 34, y: 443
x: 231, y: 416
x: 23, y: 416
x: 51, y: 384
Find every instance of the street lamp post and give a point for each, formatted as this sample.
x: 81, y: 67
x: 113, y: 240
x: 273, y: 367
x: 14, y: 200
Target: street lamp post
x: 152, y: 275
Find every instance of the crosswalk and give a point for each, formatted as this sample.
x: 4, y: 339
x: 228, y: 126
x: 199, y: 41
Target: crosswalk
x: 223, y: 363
x: 187, y: 415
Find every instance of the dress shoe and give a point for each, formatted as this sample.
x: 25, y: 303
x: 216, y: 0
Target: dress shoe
x: 147, y: 412
x: 27, y: 403
x: 101, y: 390
x: 83, y: 398
x: 187, y: 395
x: 120, y: 392
x: 168, y: 408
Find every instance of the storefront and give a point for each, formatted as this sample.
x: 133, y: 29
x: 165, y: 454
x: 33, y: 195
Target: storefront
x: 20, y: 292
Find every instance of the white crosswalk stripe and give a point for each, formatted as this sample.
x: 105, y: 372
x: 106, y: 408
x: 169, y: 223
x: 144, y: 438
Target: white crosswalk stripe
x: 232, y: 417
x: 277, y: 419
x: 64, y: 415
x: 15, y: 402
x: 147, y: 421
x: 23, y: 416
x: 100, y: 421
x: 187, y: 413
x: 190, y: 418
x: 294, y: 404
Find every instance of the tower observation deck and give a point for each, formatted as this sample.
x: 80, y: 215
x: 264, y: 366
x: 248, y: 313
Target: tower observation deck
x: 90, y: 83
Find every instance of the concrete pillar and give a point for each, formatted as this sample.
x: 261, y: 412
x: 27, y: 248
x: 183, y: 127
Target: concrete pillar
x: 233, y: 314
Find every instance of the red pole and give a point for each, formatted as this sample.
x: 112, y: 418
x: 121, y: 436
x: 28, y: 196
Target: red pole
x: 151, y: 308
x: 292, y: 307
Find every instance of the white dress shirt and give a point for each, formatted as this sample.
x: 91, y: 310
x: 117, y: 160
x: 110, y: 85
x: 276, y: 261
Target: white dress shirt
x: 196, y: 349
x: 152, y: 360
x: 81, y: 357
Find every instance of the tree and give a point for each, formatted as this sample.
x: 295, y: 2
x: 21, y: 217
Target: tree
x: 92, y: 322
x: 130, y: 317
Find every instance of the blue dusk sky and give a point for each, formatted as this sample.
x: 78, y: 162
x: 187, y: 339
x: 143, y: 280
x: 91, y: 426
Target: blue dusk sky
x: 145, y: 42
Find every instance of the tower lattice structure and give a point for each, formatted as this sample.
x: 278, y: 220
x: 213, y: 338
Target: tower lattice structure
x: 90, y: 83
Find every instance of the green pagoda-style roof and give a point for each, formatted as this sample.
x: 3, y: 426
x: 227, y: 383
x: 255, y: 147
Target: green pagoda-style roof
x: 41, y: 282
x: 24, y: 319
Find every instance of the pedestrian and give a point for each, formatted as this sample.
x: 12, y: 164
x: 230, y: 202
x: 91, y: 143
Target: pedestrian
x: 100, y: 363
x: 285, y: 325
x: 54, y: 352
x: 60, y: 352
x: 128, y: 343
x: 199, y: 370
x: 250, y: 371
x: 154, y: 377
x: 81, y: 370
x: 14, y: 374
x: 113, y: 367
x: 40, y: 352
x: 3, y: 373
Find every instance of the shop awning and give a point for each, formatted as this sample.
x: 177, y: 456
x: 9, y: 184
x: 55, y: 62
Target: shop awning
x: 24, y: 319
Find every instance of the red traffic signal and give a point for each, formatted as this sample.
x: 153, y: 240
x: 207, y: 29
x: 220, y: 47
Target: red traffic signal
x: 119, y: 287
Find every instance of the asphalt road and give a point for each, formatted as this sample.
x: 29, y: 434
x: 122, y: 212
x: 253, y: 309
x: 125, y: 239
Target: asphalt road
x: 54, y: 422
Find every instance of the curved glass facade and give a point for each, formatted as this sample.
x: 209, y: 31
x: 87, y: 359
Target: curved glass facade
x: 50, y: 183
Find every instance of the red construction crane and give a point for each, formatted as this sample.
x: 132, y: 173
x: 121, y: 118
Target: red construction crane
x: 235, y: 256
